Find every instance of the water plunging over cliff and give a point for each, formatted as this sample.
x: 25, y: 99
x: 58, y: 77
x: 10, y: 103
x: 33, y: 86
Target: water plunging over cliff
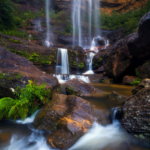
x: 47, y: 41
x: 79, y: 14
x: 62, y: 66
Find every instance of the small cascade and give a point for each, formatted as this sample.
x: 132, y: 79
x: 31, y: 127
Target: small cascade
x: 64, y: 78
x: 62, y: 66
x: 90, y: 62
x: 47, y: 41
x: 28, y: 119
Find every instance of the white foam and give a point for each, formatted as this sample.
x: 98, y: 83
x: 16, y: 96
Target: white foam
x: 100, y: 137
x: 28, y: 119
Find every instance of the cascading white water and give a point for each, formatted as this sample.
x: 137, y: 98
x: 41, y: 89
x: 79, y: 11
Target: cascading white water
x: 64, y: 78
x: 63, y: 66
x: 100, y: 137
x: 47, y: 41
x: 90, y: 62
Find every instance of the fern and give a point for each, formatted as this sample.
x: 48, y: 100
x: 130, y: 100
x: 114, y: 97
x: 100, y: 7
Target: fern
x: 29, y: 100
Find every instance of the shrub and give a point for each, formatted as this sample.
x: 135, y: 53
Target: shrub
x: 128, y: 19
x: 27, y: 102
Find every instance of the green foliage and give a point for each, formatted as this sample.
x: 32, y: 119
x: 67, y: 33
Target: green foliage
x: 28, y: 101
x: 6, y: 18
x: 138, y: 80
x: 17, y: 33
x: 100, y: 59
x: 71, y: 90
x: 128, y: 19
x: 81, y: 65
x: 34, y: 57
x: 69, y: 28
x: 10, y: 76
x: 21, y: 53
x: 14, y: 41
x: 74, y: 63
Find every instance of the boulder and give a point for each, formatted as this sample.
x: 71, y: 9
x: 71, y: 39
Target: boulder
x: 79, y: 49
x: 144, y: 70
x: 136, y: 110
x: 128, y: 79
x: 116, y: 96
x: 68, y: 118
x: 100, y: 70
x: 144, y: 83
x: 139, y: 42
x: 17, y: 71
x: 80, y: 88
x: 130, y: 52
x: 119, y: 59
x: 100, y: 58
x: 5, y: 138
x: 95, y: 78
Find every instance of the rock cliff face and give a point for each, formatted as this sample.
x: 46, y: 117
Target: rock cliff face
x: 106, y: 5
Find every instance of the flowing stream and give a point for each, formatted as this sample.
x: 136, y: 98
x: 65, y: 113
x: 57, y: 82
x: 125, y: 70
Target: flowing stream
x: 100, y: 137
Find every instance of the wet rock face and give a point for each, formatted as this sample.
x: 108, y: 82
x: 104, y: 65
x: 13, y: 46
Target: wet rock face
x: 68, y: 117
x: 101, y: 57
x: 116, y: 96
x: 139, y: 42
x: 136, y: 114
x: 119, y: 59
x: 17, y: 71
x: 131, y: 51
x: 128, y: 79
x: 81, y: 88
x: 5, y: 138
x: 144, y: 70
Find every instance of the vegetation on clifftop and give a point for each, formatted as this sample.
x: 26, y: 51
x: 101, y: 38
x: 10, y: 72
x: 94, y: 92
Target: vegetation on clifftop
x: 129, y: 20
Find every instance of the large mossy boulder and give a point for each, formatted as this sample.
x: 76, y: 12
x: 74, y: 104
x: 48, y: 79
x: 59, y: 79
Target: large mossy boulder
x: 80, y: 88
x: 131, y: 51
x: 136, y: 118
x: 68, y: 118
x: 17, y: 71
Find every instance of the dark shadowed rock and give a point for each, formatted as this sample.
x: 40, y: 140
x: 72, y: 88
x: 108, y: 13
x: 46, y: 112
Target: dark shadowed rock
x: 144, y: 70
x: 129, y: 79
x: 136, y: 110
x: 101, y: 57
x: 17, y: 71
x: 81, y: 88
x: 119, y: 59
x: 144, y: 83
x: 5, y: 138
x: 139, y: 42
x: 100, y: 70
x: 68, y: 117
x: 131, y: 51
x: 79, y: 49
x: 116, y: 96
x: 95, y: 78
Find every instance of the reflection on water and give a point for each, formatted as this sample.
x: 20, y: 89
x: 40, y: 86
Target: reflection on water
x: 109, y: 137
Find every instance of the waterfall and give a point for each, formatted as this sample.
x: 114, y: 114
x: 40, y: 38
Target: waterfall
x: 76, y: 20
x: 78, y: 15
x: 62, y: 66
x: 90, y: 62
x: 47, y: 42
